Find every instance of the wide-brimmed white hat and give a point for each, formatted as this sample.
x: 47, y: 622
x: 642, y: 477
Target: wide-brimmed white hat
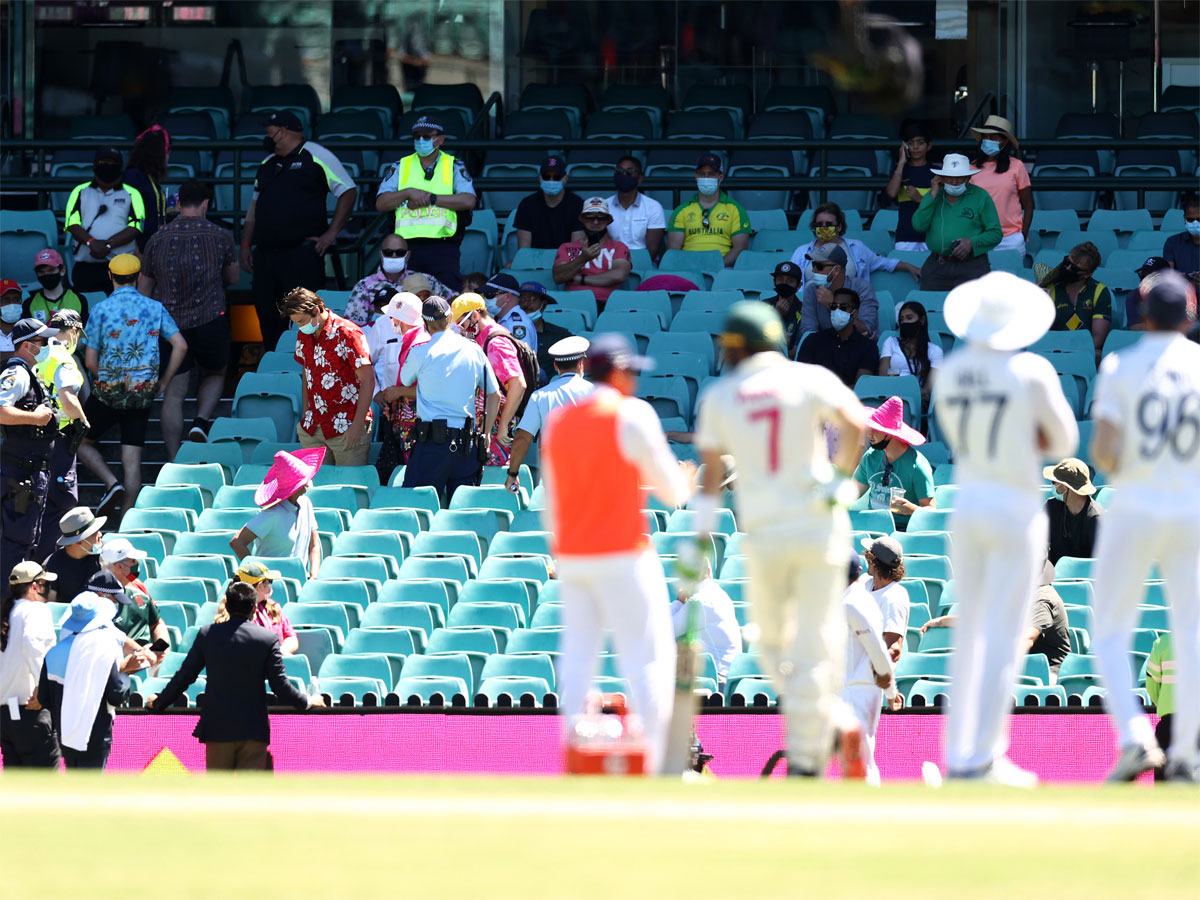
x: 1001, y: 310
x: 955, y: 164
x: 404, y: 307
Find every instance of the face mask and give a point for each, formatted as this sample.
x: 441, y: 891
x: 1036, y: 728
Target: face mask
x: 989, y: 147
x: 818, y: 278
x: 536, y: 315
x: 393, y: 264
x: 879, y: 445
x: 707, y: 186
x: 51, y: 280
x: 1193, y: 228
x: 825, y: 232
x: 493, y: 308
x: 135, y: 570
x: 623, y: 181
x: 312, y: 327
x: 94, y: 550
x: 423, y: 146
x: 551, y: 188
x: 269, y: 144
x: 840, y: 318
x: 43, y: 354
x: 11, y: 312
x: 956, y: 190
x: 1067, y: 273
x: 1060, y: 490
x: 785, y: 290
x: 396, y: 326
x: 107, y: 172
x: 909, y: 329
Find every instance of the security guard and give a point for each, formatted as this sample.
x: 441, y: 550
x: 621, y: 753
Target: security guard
x: 61, y: 375
x: 503, y: 294
x: 105, y: 218
x: 566, y: 387
x: 427, y: 190
x: 449, y: 449
x: 27, y: 414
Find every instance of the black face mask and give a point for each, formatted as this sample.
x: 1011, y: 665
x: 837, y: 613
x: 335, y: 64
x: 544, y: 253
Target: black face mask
x: 879, y: 445
x: 623, y: 181
x: 269, y: 144
x: 107, y: 173
x: 595, y: 237
x: 909, y: 330
x: 785, y: 290
x: 50, y: 280
x: 1067, y: 272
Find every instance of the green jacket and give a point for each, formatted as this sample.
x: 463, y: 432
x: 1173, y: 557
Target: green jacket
x: 1160, y: 675
x: 973, y: 215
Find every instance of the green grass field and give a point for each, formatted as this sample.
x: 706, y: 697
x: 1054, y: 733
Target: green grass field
x: 168, y: 836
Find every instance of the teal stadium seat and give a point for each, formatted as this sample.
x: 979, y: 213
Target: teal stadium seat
x: 515, y: 687
x: 431, y: 591
x: 178, y: 496
x: 426, y: 686
x: 535, y: 640
x: 359, y: 688
x: 407, y: 614
x: 360, y: 665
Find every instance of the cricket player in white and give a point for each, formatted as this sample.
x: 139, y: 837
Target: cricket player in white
x: 1001, y: 413
x: 1147, y: 438
x: 769, y: 413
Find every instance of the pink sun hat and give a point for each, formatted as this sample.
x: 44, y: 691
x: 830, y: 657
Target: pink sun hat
x: 889, y: 419
x: 288, y: 473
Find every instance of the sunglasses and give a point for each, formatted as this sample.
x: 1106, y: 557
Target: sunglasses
x: 553, y: 176
x: 704, y: 217
x: 824, y: 225
x: 628, y: 170
x: 823, y: 267
x: 392, y: 254
x: 845, y: 307
x: 596, y: 219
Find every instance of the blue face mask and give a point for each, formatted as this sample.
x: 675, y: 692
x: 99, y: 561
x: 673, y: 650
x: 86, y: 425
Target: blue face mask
x: 535, y: 315
x: 708, y: 186
x: 423, y: 146
x: 818, y: 278
x: 551, y: 188
x: 839, y: 318
x: 312, y: 327
x: 43, y: 354
x: 989, y: 147
x: 1193, y: 228
x: 11, y: 313
x: 956, y: 190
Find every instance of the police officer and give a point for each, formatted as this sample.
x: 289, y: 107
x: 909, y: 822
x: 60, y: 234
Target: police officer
x: 61, y: 375
x: 566, y: 387
x: 427, y: 190
x: 447, y: 370
x: 503, y: 294
x: 27, y: 414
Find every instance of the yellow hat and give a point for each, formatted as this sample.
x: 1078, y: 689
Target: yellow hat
x: 125, y: 264
x: 466, y: 303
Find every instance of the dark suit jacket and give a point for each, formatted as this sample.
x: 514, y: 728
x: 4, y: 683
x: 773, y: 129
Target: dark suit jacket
x: 239, y: 656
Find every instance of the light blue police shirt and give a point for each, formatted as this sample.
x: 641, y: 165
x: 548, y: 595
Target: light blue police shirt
x: 562, y: 390
x: 447, y: 369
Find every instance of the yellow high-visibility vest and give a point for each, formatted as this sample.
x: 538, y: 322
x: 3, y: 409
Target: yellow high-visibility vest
x: 426, y: 221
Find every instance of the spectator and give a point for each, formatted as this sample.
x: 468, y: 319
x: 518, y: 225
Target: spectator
x: 1133, y: 299
x: 77, y: 558
x: 1160, y: 688
x: 829, y: 229
x: 549, y: 217
x: 960, y: 224
x: 396, y: 402
x: 26, y: 635
x: 338, y: 379
x: 893, y: 473
x: 598, y: 263
x: 145, y: 173
x: 1073, y: 515
x: 383, y: 340
x: 717, y: 629
x: 1080, y: 301
x: 504, y: 356
x: 124, y: 358
x: 238, y: 658
x: 503, y: 296
x: 185, y: 267
x: 393, y: 271
x: 912, y: 352
x: 287, y: 525
x: 10, y: 315
x: 910, y: 183
x: 267, y: 612
x: 534, y: 300
x: 885, y: 571
x: 55, y: 292
x: 1006, y: 180
x: 138, y: 619
x: 788, y: 276
x: 829, y: 276
x: 638, y: 221
x: 418, y: 284
x: 105, y: 218
x: 1182, y: 250
x: 285, y: 222
x: 843, y: 348
x: 474, y: 283
x: 710, y: 219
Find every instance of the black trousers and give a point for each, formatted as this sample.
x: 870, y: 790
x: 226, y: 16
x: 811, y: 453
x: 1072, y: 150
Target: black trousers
x: 20, y: 531
x: 941, y: 273
x: 436, y: 465
x: 275, y: 273
x: 90, y: 276
x: 28, y: 741
x: 438, y: 257
x: 94, y: 757
x: 61, y: 497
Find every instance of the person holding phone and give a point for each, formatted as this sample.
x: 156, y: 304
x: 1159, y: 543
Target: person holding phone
x: 961, y: 226
x: 139, y: 619
x: 910, y: 182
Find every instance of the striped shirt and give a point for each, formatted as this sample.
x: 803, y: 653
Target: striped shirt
x: 185, y: 258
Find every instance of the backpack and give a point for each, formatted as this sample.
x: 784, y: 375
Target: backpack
x: 529, y: 368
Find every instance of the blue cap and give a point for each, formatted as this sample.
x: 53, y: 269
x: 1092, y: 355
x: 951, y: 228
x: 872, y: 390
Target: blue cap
x: 1168, y: 298
x: 614, y: 351
x: 854, y: 568
x: 535, y: 287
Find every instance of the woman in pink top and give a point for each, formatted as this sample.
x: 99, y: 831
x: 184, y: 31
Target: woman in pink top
x: 1006, y: 180
x: 267, y: 612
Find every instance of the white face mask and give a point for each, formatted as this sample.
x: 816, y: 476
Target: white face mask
x: 1193, y: 228
x: 839, y: 318
x: 393, y: 264
x: 396, y: 327
x: 956, y: 190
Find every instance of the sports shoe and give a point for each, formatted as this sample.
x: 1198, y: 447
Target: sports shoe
x: 850, y: 752
x: 111, y: 502
x: 1182, y: 772
x: 1004, y: 771
x: 1136, y: 759
x: 199, y: 431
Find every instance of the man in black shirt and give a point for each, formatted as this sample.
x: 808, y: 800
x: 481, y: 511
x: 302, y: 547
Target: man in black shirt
x: 77, y: 558
x: 788, y: 276
x: 549, y: 217
x: 842, y: 349
x: 1049, y: 631
x: 1073, y: 514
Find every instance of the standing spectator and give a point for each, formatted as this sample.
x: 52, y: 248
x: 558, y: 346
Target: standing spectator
x: 287, y: 525
x: 145, y: 173
x: 267, y: 612
x: 910, y: 183
x: 829, y: 276
x: 892, y: 463
x: 186, y: 266
x: 885, y: 571
x: 549, y: 217
x: 1006, y: 180
x: 338, y: 379
x: 503, y: 295
x: 105, y: 218
x: 77, y: 558
x: 397, y: 402
x: 10, y: 315
x: 710, y: 219
x: 842, y: 348
x: 1133, y: 299
x: 912, y: 353
x: 55, y: 292
x: 1080, y: 301
x: 26, y: 635
x: 1182, y: 251
x: 598, y: 263
x: 138, y: 619
x: 638, y: 221
x: 393, y: 270
x: 238, y: 657
x: 829, y: 228
x: 718, y: 630
x: 124, y: 359
x: 1074, y: 514
x: 534, y: 300
x: 787, y: 277
x: 1160, y: 687
x: 960, y: 224
x: 383, y: 338
x: 286, y: 220
x: 428, y: 189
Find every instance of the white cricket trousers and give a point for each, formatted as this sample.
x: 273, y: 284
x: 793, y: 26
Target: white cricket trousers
x: 795, y: 592
x: 1000, y: 540
x: 866, y: 701
x: 625, y: 593
x: 1134, y: 531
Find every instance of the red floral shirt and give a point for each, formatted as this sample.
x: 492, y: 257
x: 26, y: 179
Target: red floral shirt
x: 330, y: 360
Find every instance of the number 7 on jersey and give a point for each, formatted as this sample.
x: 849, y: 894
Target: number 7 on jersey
x: 771, y: 415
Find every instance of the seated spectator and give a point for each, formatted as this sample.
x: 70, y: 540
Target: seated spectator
x: 829, y: 227
x: 418, y: 284
x: 893, y: 473
x: 710, y: 219
x: 910, y: 183
x: 503, y: 296
x: 718, y: 630
x: 139, y: 618
x: 638, y: 221
x: 393, y: 269
x: 77, y: 558
x: 787, y: 277
x: 1133, y: 300
x: 885, y: 571
x: 1073, y: 514
x: 912, y: 353
x: 960, y: 224
x: 113, y: 213
x: 1006, y: 180
x: 1080, y: 301
x: 842, y: 348
x: 549, y: 217
x: 534, y: 300
x: 597, y: 263
x: 473, y: 283
x: 1182, y: 250
x: 267, y: 613
x: 55, y: 292
x: 287, y: 525
x: 10, y: 315
x: 827, y: 277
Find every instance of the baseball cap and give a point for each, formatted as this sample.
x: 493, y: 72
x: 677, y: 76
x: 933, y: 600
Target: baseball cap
x: 405, y: 307
x: 1167, y: 297
x: 28, y: 572
x: 107, y: 153
x: 1072, y: 473
x: 831, y: 253
x: 1152, y: 265
x: 415, y: 283
x: 125, y: 264
x: 428, y: 123
x: 752, y: 323
x: 466, y: 303
x: 536, y: 288
x: 503, y: 284
x: 48, y: 257
x: 285, y: 118
x: 554, y: 164
x: 105, y: 582
x: 788, y: 268
x: 614, y: 351
x: 853, y: 567
x: 252, y: 571
x: 886, y: 550
x: 9, y: 285
x: 594, y: 205
x: 382, y: 294
x: 115, y: 550
x: 709, y: 159
x: 435, y: 309
x: 30, y: 328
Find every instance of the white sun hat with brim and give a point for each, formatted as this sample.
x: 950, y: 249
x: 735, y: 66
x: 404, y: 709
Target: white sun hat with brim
x: 953, y: 165
x: 1000, y: 310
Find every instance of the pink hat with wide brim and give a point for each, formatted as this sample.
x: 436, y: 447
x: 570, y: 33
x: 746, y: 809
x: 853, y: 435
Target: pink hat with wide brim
x: 290, y: 471
x: 889, y: 419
